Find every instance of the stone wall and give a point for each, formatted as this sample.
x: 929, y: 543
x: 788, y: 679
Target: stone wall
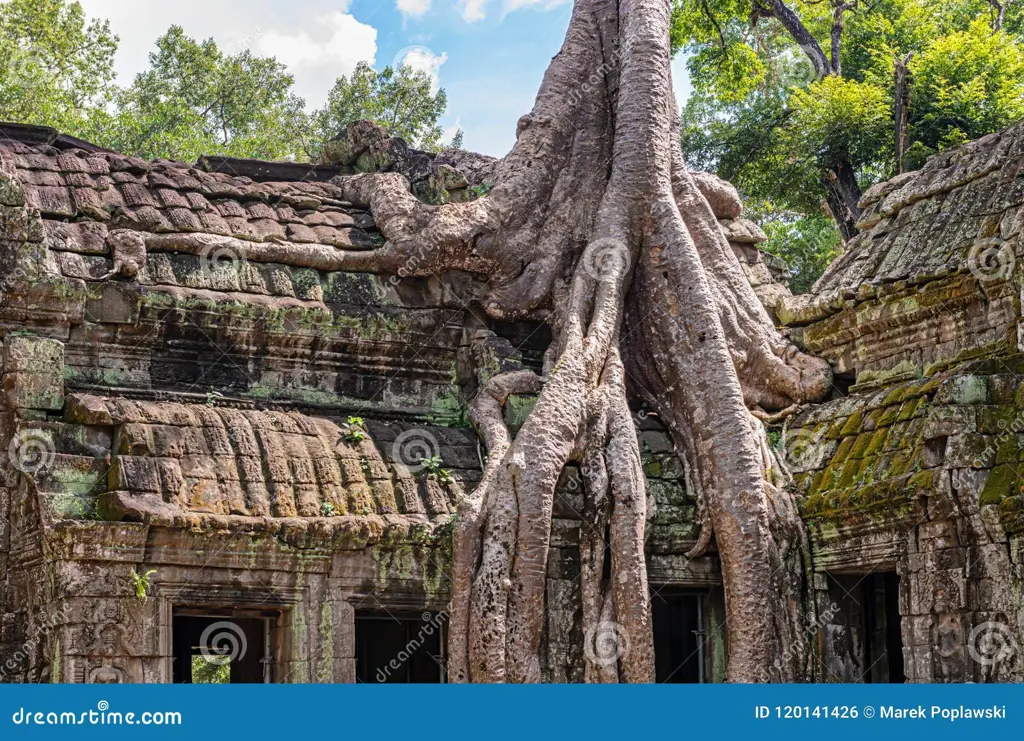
x: 234, y: 431
x: 238, y: 428
x: 916, y: 468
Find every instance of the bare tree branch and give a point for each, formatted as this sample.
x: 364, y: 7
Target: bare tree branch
x: 838, y: 21
x: 791, y: 22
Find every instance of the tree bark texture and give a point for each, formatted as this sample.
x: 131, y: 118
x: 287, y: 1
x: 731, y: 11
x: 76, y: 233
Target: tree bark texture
x: 595, y: 226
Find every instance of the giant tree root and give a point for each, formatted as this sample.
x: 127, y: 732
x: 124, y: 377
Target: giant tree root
x: 594, y: 226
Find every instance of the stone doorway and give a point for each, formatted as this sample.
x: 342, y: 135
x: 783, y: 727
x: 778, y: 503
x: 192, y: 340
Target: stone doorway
x: 866, y: 643
x: 679, y: 635
x: 400, y: 648
x: 223, y: 647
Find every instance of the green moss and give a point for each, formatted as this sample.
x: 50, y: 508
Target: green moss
x: 371, y: 326
x: 923, y: 480
x: 997, y: 420
x: 652, y: 466
x: 876, y: 442
x: 832, y: 430
x: 853, y: 424
x: 873, y: 379
x: 844, y: 449
x: 992, y: 349
x: 861, y: 445
x: 305, y: 280
x: 889, y: 416
x: 326, y: 633
x: 517, y: 409
x: 1002, y: 483
x: 909, y: 409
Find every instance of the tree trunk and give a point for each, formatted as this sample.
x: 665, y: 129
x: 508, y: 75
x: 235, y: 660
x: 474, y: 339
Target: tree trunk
x: 901, y: 111
x: 594, y: 226
x: 842, y: 193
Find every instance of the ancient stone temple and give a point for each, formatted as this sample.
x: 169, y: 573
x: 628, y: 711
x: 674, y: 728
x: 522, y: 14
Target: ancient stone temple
x: 246, y: 453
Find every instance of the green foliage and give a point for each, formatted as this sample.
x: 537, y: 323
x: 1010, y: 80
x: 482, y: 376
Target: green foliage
x: 140, y: 583
x: 401, y: 100
x: 352, y: 430
x: 764, y: 116
x: 57, y: 65
x: 835, y: 120
x: 195, y: 99
x: 434, y: 466
x: 807, y: 244
x: 967, y: 84
x: 205, y: 671
x: 327, y: 509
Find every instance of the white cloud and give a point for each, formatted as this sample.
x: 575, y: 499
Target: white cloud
x: 451, y: 131
x: 423, y: 59
x: 413, y: 8
x: 511, y: 5
x: 330, y: 47
x: 319, y: 44
x: 473, y: 10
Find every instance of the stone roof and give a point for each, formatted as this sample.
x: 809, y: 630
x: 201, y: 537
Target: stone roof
x: 196, y: 465
x: 925, y: 224
x: 116, y: 191
x: 887, y: 460
x: 934, y: 277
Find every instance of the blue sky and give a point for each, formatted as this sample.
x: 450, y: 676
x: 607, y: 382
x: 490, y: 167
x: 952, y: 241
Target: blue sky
x: 489, y: 55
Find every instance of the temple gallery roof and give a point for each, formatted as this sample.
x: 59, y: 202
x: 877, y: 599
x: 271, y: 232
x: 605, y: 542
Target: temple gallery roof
x: 72, y: 181
x: 959, y: 210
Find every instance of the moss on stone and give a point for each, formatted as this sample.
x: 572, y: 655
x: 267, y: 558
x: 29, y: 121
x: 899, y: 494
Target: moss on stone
x: 853, y: 424
x: 870, y: 379
x: 1002, y: 482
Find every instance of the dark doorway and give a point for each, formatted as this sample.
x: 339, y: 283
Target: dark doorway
x: 400, y: 648
x: 884, y: 642
x: 678, y: 622
x: 227, y: 649
x: 863, y: 631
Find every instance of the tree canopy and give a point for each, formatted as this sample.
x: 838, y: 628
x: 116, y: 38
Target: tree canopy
x: 400, y: 99
x: 194, y: 98
x: 58, y: 65
x: 798, y: 103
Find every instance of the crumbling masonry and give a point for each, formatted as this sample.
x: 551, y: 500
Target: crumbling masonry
x: 257, y: 440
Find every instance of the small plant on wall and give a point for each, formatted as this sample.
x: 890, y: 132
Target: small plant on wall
x: 434, y: 466
x: 140, y: 584
x: 352, y: 431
